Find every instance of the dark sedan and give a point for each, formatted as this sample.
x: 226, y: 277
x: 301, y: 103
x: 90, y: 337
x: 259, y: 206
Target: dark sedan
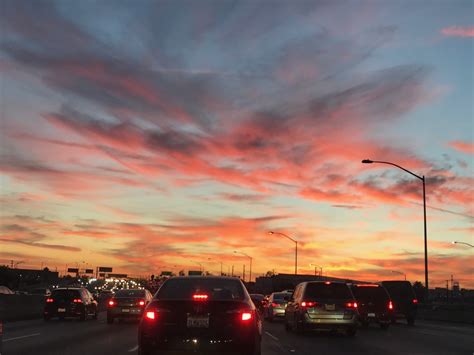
x: 127, y: 304
x: 201, y: 315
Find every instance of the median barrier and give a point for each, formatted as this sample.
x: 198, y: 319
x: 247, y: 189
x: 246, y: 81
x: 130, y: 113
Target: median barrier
x: 458, y: 313
x: 21, y: 307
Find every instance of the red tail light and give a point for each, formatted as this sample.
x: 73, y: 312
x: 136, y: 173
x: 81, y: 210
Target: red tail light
x: 351, y: 304
x: 308, y: 304
x: 77, y: 300
x: 275, y: 304
x: 415, y: 301
x: 200, y: 297
x: 49, y: 300
x: 246, y: 316
x: 327, y: 282
x: 390, y: 305
x: 111, y: 303
x: 150, y: 315
x: 141, y: 303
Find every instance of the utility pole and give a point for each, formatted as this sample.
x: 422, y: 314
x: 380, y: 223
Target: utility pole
x: 243, y: 274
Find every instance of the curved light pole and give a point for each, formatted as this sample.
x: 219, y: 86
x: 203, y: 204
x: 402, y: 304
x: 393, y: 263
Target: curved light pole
x: 248, y: 256
x: 315, y: 268
x: 296, y: 247
x: 400, y: 273
x: 469, y: 245
x: 422, y: 178
x: 220, y: 262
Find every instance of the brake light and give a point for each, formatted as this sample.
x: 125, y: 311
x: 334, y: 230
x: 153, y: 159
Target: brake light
x: 351, y: 304
x: 415, y: 301
x: 308, y: 304
x: 367, y: 285
x: 274, y: 304
x: 77, y: 300
x: 200, y: 297
x: 246, y: 316
x: 150, y: 315
x: 390, y: 305
x: 49, y: 300
x: 141, y: 303
x: 111, y: 303
x: 327, y: 283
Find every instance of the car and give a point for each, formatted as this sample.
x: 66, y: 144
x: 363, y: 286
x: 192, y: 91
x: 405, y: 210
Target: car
x: 4, y: 290
x: 322, y: 305
x: 127, y: 304
x: 374, y: 304
x: 40, y: 292
x: 405, y: 303
x: 258, y: 300
x: 201, y: 314
x: 74, y: 302
x: 275, y: 307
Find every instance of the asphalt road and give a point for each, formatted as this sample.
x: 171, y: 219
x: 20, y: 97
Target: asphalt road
x: 71, y: 337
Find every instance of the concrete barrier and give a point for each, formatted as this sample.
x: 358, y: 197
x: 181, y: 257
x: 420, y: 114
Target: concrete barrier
x: 20, y: 307
x: 458, y: 313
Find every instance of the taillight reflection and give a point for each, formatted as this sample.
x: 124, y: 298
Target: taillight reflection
x: 111, y: 303
x: 77, y: 300
x: 49, y: 300
x: 150, y: 315
x: 415, y: 301
x: 390, y: 305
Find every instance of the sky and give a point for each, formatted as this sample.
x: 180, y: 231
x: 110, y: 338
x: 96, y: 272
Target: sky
x: 169, y: 135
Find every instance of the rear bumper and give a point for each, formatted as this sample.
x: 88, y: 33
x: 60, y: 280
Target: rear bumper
x: 278, y: 312
x: 330, y: 323
x: 376, y: 318
x: 124, y: 312
x: 74, y: 312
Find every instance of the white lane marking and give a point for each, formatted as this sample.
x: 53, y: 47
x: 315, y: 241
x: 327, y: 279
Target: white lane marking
x: 22, y: 337
x: 133, y: 349
x: 272, y: 336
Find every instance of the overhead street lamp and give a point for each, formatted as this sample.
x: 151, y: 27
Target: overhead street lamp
x: 220, y: 262
x: 315, y: 268
x: 248, y: 256
x: 422, y: 178
x: 296, y: 247
x: 400, y: 273
x: 469, y: 245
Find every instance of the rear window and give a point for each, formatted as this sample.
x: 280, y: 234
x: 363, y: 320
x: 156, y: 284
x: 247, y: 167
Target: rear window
x: 280, y: 296
x: 130, y: 293
x: 256, y: 297
x: 66, y: 294
x: 370, y: 293
x: 399, y: 289
x: 331, y: 290
x: 216, y: 289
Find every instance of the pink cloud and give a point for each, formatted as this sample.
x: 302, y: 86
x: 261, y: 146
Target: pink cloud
x: 458, y: 31
x: 464, y: 147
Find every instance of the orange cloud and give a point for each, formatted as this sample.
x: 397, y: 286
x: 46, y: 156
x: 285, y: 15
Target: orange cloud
x: 458, y: 31
x: 464, y: 147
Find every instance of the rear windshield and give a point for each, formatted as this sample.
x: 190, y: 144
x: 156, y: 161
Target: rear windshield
x: 66, y: 294
x: 399, y: 289
x: 280, y: 296
x: 370, y: 293
x: 130, y: 293
x: 331, y: 290
x: 215, y: 289
x: 256, y: 297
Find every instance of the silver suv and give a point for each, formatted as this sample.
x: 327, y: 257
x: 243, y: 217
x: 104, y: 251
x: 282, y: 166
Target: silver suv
x: 322, y: 305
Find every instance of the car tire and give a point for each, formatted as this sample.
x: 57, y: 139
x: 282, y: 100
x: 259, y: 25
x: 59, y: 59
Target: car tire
x: 83, y: 316
x: 145, y: 350
x: 110, y: 319
x: 352, y: 331
x: 95, y: 316
x: 299, y: 327
x: 384, y: 326
x: 46, y: 318
x: 411, y: 321
x: 287, y: 326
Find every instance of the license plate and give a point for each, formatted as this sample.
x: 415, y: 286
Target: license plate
x: 61, y: 310
x: 372, y: 315
x: 125, y: 310
x: 330, y: 307
x: 198, y: 322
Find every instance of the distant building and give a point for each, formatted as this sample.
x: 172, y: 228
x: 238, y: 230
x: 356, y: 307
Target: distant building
x: 18, y: 279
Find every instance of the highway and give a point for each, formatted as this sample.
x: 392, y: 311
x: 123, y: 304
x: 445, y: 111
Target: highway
x: 72, y: 337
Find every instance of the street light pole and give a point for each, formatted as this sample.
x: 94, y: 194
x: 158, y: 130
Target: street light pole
x: 296, y: 247
x: 400, y: 273
x: 315, y: 268
x: 248, y: 256
x: 422, y: 178
x: 469, y: 245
